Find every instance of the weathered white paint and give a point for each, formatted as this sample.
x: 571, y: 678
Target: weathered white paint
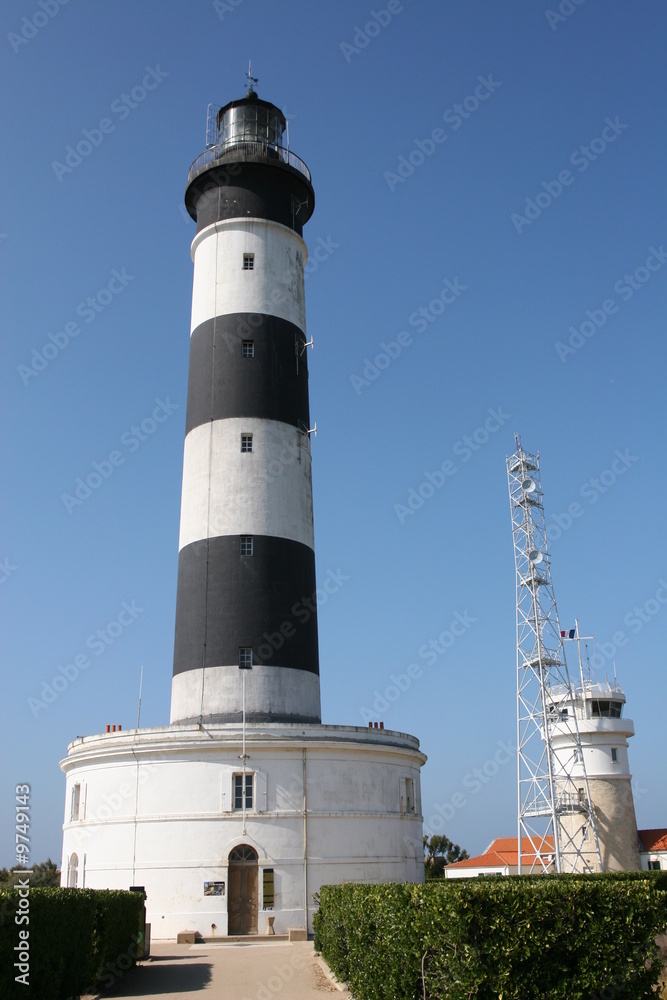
x: 266, y: 492
x: 275, y: 286
x: 281, y: 690
x: 158, y: 815
x: 598, y: 738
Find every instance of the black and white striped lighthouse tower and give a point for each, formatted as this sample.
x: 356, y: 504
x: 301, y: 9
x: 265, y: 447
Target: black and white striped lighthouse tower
x: 246, y: 571
x: 228, y: 825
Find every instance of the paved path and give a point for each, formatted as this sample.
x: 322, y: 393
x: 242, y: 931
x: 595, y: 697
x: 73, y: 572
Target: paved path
x: 284, y: 970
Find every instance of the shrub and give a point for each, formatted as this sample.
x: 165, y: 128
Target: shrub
x: 73, y: 934
x: 556, y: 937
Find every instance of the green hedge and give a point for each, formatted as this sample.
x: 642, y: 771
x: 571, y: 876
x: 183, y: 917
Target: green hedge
x: 119, y: 922
x: 77, y: 938
x: 555, y: 937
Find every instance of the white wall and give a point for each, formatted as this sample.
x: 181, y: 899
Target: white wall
x: 646, y: 856
x: 476, y: 872
x: 155, y: 815
x: 283, y: 688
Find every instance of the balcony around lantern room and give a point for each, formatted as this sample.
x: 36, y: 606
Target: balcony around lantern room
x: 247, y: 151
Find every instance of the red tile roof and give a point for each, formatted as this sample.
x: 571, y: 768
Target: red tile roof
x: 653, y: 840
x: 503, y: 852
x: 488, y: 860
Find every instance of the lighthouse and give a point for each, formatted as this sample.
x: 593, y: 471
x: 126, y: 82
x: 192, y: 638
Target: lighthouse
x: 233, y: 815
x: 246, y: 548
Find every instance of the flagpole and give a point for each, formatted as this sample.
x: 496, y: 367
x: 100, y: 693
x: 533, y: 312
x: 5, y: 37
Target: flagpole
x: 581, y: 667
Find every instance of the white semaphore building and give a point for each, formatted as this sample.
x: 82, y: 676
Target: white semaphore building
x: 604, y: 734
x: 237, y: 812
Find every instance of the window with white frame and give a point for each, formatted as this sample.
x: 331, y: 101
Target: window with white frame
x: 407, y: 795
x: 246, y: 545
x: 246, y: 443
x: 248, y: 349
x: 76, y: 802
x: 241, y: 782
x: 248, y: 261
x: 232, y: 790
x: 245, y: 657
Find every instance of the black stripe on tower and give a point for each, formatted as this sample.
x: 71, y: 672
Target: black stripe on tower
x: 269, y: 189
x: 272, y: 385
x: 265, y: 601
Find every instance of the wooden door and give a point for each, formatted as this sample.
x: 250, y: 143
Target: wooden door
x: 242, y: 900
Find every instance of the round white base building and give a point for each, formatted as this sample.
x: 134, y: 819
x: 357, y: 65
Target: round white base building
x: 221, y: 848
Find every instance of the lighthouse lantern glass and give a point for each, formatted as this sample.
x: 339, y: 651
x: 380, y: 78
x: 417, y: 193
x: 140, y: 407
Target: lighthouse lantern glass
x: 251, y: 123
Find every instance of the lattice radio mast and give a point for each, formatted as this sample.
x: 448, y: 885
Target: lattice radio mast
x: 556, y: 819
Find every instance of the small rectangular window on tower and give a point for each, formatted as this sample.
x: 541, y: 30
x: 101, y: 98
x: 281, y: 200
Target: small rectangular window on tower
x: 614, y: 755
x: 246, y: 443
x: 246, y: 545
x: 248, y: 262
x: 248, y: 349
x: 406, y: 795
x: 409, y: 796
x: 245, y: 657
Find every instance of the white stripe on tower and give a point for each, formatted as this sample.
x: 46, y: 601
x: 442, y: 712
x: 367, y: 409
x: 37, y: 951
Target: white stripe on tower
x: 275, y: 285
x: 269, y: 489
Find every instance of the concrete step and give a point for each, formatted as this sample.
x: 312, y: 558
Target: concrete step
x: 242, y: 939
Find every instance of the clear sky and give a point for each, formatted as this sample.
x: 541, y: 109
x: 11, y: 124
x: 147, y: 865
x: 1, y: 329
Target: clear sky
x: 489, y: 225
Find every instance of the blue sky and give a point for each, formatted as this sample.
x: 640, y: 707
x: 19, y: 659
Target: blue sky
x: 489, y: 227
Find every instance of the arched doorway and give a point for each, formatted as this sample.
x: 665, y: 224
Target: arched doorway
x: 242, y: 900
